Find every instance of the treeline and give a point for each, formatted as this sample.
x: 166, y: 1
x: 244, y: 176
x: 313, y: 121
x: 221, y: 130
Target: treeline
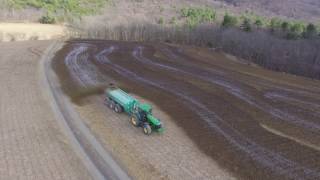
x: 287, y: 29
x: 300, y: 57
x: 265, y: 42
x: 291, y: 30
x: 58, y: 10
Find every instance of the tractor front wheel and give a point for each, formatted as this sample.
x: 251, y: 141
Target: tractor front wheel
x: 147, y: 129
x: 134, y: 121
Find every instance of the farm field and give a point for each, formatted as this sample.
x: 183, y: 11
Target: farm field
x: 227, y: 79
x: 225, y: 118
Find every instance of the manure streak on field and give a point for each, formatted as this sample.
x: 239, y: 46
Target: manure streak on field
x: 269, y: 159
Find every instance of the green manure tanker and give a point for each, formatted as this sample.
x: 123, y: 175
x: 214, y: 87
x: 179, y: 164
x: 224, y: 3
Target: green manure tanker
x: 140, y: 113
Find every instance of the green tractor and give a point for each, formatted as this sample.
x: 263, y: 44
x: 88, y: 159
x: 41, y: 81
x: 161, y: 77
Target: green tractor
x: 140, y: 114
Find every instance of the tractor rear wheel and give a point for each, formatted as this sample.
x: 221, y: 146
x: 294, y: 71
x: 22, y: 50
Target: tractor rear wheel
x: 118, y: 108
x: 134, y: 121
x: 147, y: 129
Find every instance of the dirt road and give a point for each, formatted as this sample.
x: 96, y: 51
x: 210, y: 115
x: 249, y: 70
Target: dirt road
x: 31, y: 31
x: 33, y: 145
x: 254, y: 123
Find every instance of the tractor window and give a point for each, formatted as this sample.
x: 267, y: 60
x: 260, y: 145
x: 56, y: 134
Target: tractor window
x: 143, y: 116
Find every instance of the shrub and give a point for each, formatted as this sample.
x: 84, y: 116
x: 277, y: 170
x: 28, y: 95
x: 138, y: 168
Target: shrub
x: 173, y: 21
x: 298, y: 28
x: 47, y: 19
x: 246, y: 25
x: 229, y: 21
x: 296, y: 31
x: 275, y: 24
x: 161, y: 20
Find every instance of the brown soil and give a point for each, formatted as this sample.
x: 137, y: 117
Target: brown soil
x: 33, y: 143
x: 255, y: 123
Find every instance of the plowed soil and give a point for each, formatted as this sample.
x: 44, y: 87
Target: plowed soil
x: 256, y: 124
x: 33, y: 143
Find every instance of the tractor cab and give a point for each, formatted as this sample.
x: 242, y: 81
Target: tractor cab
x: 143, y: 113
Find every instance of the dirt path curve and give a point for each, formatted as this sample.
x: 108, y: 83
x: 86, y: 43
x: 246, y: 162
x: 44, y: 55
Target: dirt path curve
x: 32, y: 143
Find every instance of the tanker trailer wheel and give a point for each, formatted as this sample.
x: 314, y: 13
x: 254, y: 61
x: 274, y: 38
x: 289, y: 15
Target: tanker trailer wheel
x: 106, y: 102
x: 147, y: 129
x: 135, y: 121
x: 118, y: 108
x: 112, y: 104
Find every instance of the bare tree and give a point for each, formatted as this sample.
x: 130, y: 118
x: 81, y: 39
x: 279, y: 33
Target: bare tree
x: 300, y: 57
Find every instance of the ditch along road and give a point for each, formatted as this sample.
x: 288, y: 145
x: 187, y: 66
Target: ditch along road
x: 243, y: 121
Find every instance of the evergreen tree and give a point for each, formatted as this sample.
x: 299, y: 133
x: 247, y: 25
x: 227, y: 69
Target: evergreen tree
x: 246, y: 25
x: 285, y: 26
x: 229, y: 21
x: 161, y: 21
x: 311, y: 31
x: 275, y: 24
x: 258, y: 23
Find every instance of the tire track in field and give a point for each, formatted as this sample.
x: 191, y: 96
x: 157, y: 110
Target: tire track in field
x: 81, y: 68
x: 269, y: 159
x: 283, y: 97
x: 263, y: 82
x: 231, y: 89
